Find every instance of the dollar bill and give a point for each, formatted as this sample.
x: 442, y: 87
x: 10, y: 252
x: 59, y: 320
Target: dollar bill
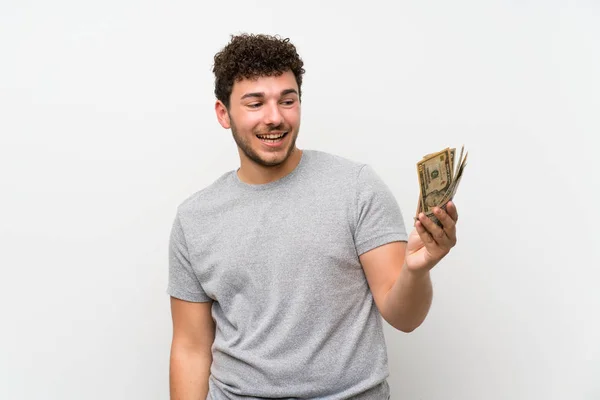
x: 452, y: 155
x: 439, y: 176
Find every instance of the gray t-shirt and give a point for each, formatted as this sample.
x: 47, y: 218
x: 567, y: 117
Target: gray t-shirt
x: 294, y: 314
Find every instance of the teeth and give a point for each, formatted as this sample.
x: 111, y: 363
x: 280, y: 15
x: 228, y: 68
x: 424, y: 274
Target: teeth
x: 271, y: 136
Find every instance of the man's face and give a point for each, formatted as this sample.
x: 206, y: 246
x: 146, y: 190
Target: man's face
x: 264, y: 106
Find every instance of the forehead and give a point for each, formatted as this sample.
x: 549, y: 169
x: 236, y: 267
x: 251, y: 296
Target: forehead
x: 269, y: 85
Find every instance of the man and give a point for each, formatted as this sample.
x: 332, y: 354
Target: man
x: 281, y: 270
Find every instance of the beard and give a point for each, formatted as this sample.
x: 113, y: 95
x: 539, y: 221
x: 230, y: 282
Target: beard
x: 246, y: 147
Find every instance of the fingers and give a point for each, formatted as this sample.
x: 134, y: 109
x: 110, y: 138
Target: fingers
x: 452, y: 211
x: 448, y: 223
x: 423, y: 234
x: 433, y: 229
x: 444, y: 237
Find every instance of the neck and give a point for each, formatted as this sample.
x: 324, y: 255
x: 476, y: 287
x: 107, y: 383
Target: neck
x: 256, y: 174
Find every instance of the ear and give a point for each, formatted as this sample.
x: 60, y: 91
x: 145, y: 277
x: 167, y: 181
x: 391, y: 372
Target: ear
x: 222, y: 114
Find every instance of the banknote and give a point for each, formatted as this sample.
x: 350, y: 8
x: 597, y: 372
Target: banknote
x: 439, y: 176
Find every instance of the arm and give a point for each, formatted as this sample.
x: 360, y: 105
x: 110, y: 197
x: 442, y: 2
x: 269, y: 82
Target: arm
x: 191, y: 356
x: 398, y: 273
x: 409, y: 299
x: 402, y: 297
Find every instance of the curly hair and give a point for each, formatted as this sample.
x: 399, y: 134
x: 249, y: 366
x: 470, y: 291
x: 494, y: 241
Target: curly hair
x: 251, y: 56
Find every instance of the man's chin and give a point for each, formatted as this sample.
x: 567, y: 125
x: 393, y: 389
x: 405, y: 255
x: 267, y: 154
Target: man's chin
x: 272, y: 159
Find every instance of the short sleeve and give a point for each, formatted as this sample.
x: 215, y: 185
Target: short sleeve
x: 183, y: 283
x: 378, y: 217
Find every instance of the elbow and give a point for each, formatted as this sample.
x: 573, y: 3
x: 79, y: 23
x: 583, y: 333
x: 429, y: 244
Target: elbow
x: 406, y: 328
x: 404, y: 325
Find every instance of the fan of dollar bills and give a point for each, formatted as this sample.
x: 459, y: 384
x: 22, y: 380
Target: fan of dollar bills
x: 439, y: 176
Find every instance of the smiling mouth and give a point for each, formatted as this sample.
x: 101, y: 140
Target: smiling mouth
x: 272, y: 137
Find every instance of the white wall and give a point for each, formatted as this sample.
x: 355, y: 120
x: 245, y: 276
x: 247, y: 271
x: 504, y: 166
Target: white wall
x: 107, y: 123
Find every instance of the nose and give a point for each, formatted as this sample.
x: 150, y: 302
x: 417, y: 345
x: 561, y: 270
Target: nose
x: 273, y: 115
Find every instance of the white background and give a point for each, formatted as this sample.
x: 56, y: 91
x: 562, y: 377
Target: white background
x: 107, y: 124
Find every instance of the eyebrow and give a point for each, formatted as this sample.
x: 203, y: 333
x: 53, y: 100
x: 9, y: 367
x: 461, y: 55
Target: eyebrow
x: 262, y: 94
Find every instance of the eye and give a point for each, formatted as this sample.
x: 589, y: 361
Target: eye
x: 288, y: 102
x: 254, y: 105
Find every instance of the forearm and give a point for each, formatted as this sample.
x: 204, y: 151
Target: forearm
x: 189, y: 373
x: 408, y: 301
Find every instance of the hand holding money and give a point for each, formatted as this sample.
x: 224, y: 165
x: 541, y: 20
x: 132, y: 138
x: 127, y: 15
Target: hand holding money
x: 439, y: 177
x: 435, y: 223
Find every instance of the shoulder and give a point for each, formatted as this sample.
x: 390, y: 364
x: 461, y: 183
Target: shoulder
x: 344, y: 171
x: 349, y: 175
x: 335, y: 164
x: 205, y: 196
